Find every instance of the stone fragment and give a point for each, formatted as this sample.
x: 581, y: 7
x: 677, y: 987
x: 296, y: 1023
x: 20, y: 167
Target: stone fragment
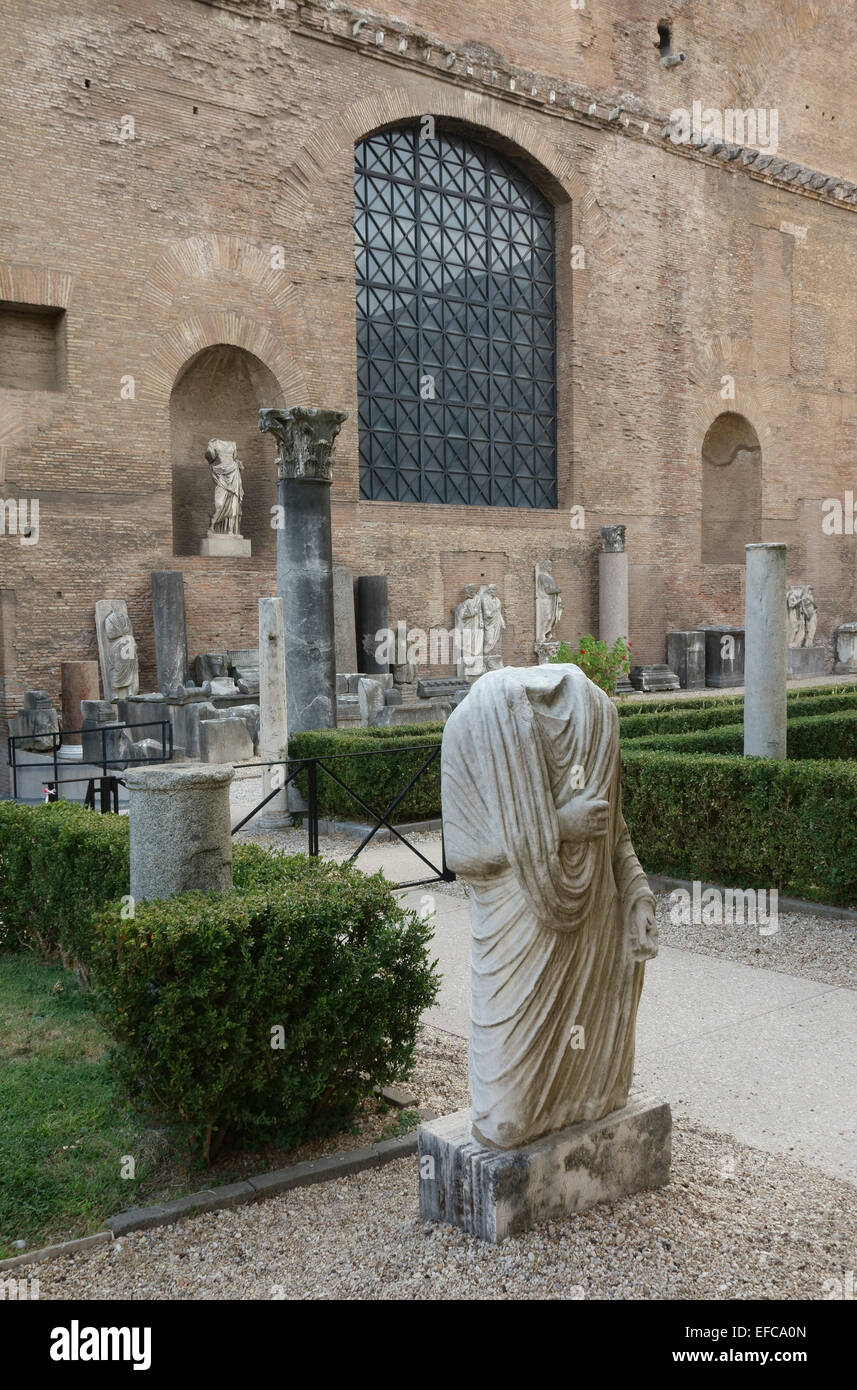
x: 79, y: 680
x: 224, y: 741
x: 117, y: 649
x: 686, y: 656
x: 344, y: 620
x: 656, y: 676
x: 168, y: 616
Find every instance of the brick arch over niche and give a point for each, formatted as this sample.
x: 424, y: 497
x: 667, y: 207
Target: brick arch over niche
x: 182, y: 341
x: 330, y: 150
x: 731, y: 489
x: 217, y: 394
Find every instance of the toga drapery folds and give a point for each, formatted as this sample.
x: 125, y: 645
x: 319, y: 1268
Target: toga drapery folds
x: 560, y: 926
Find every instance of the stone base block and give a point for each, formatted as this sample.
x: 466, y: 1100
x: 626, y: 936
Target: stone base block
x: 494, y: 1193
x: 225, y: 546
x: 655, y: 677
x: 807, y: 661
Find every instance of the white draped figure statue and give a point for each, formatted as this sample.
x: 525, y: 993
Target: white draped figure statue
x: 562, y: 916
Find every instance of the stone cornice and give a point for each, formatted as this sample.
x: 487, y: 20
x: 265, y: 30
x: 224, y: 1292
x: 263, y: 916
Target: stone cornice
x: 479, y: 68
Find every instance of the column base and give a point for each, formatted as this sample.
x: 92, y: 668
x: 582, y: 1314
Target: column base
x: 495, y: 1193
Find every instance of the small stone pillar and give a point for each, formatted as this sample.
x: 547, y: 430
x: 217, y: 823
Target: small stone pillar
x: 180, y: 829
x: 613, y: 591
x: 80, y: 681
x: 344, y: 620
x: 273, y: 722
x: 372, y: 617
x: 613, y: 585
x: 170, y: 629
x: 305, y: 441
x: 766, y: 636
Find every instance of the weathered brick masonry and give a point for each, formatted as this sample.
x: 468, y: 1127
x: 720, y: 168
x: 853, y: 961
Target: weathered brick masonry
x: 700, y: 265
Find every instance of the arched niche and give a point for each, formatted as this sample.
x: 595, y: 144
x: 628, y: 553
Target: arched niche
x: 217, y: 395
x: 731, y: 489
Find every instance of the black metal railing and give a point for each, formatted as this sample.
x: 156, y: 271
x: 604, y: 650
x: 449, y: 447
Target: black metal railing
x: 377, y: 821
x: 109, y: 783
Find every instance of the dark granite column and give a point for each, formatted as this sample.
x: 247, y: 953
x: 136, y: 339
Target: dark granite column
x: 170, y: 629
x: 305, y: 440
x: 372, y: 618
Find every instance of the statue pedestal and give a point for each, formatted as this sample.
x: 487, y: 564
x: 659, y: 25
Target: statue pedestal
x: 807, y: 661
x: 224, y: 546
x: 494, y: 1193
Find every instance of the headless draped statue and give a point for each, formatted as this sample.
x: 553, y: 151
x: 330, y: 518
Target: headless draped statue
x: 562, y: 916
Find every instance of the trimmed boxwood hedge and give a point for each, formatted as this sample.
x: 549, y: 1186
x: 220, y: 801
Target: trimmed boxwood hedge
x: 756, y: 822
x: 58, y: 864
x: 719, y: 713
x: 824, y: 736
x: 267, y: 1012
x: 377, y: 781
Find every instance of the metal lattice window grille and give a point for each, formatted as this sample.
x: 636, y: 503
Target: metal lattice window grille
x: 456, y: 337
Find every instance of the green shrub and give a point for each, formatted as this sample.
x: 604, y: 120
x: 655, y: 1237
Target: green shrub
x: 193, y: 986
x: 58, y: 864
x: 602, y: 664
x: 753, y: 822
x: 376, y: 781
x: 685, y: 716
x: 826, y: 736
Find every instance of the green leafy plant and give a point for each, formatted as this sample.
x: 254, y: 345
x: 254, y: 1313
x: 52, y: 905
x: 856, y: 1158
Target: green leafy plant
x: 602, y: 664
x: 58, y: 864
x: 269, y: 1011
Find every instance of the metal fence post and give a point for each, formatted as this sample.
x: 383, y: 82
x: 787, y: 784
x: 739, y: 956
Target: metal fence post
x: 312, y: 807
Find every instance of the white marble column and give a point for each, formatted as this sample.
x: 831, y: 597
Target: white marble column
x: 273, y: 725
x: 766, y: 636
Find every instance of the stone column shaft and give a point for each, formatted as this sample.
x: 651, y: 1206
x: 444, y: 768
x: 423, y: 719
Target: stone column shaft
x: 79, y: 681
x: 305, y: 440
x: 765, y: 641
x: 273, y: 721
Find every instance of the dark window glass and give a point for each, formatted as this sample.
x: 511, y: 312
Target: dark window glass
x: 454, y: 252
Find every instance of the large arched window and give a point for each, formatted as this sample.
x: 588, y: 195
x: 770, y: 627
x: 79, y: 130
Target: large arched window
x: 455, y: 324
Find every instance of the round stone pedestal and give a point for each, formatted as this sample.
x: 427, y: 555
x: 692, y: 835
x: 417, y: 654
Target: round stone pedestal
x: 180, y: 830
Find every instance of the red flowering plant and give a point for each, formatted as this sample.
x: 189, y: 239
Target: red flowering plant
x: 602, y: 664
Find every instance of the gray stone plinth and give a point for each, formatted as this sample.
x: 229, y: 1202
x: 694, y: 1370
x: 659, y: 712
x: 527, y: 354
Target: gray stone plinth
x: 226, y: 546
x: 686, y: 656
x: 807, y: 661
x: 654, y: 677
x: 845, y: 648
x: 180, y: 830
x: 224, y: 740
x: 494, y: 1193
x: 724, y: 656
x: 168, y: 616
x: 766, y: 635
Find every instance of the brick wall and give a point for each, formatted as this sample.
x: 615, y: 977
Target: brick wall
x: 163, y: 245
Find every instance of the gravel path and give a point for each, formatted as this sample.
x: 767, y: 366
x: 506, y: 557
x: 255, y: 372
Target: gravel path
x: 733, y: 1223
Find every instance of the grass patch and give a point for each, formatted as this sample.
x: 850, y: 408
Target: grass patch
x: 65, y: 1127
